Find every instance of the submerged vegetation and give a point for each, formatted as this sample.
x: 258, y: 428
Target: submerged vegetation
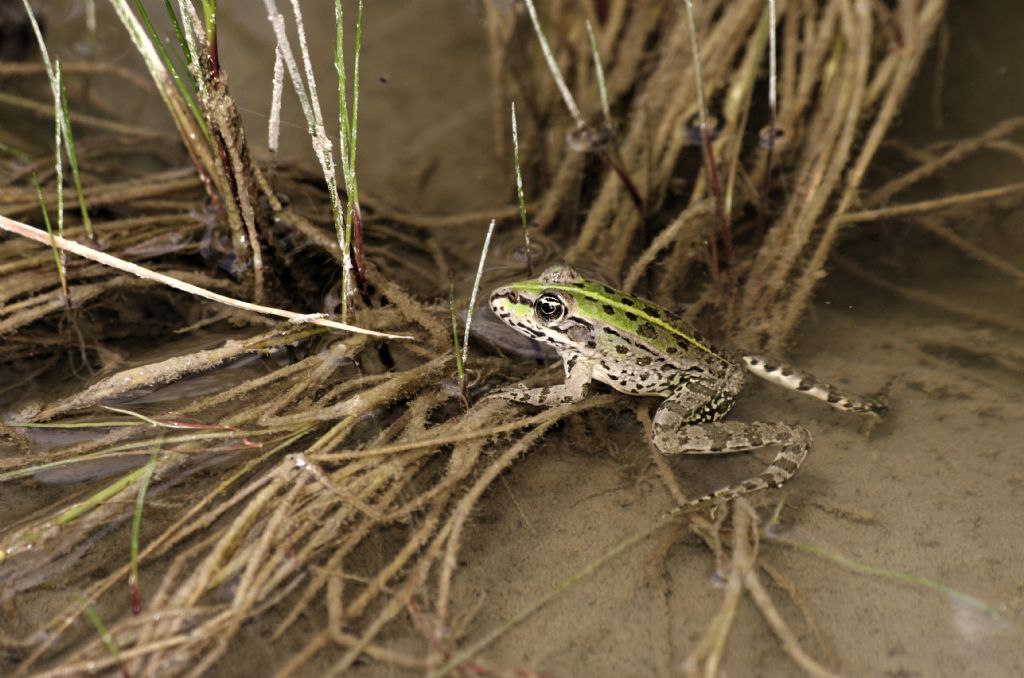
x: 266, y: 493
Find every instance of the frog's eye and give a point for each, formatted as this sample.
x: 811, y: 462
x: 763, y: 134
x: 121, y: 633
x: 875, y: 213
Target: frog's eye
x: 549, y: 308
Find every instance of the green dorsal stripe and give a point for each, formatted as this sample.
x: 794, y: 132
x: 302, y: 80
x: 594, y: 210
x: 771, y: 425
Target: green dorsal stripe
x: 599, y: 296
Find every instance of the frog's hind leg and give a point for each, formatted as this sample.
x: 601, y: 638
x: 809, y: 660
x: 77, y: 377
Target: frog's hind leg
x: 724, y: 437
x: 790, y: 377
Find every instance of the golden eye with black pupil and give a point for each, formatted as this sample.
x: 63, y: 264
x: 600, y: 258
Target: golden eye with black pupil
x: 549, y: 308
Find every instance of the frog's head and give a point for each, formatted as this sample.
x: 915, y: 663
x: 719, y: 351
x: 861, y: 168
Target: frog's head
x: 546, y: 308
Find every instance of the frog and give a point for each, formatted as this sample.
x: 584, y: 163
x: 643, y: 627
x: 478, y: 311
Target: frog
x: 639, y: 348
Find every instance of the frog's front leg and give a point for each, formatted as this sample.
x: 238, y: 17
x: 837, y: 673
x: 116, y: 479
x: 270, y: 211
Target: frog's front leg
x: 578, y: 375
x: 676, y: 431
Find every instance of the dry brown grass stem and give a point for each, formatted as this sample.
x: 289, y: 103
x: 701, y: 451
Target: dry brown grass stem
x: 957, y: 152
x: 64, y: 244
x: 21, y: 201
x: 781, y: 580
x: 706, y: 656
x: 84, y: 119
x: 934, y: 205
x: 541, y: 419
x: 709, y: 649
x: 781, y: 629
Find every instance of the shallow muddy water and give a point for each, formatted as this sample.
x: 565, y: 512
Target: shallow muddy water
x: 925, y: 509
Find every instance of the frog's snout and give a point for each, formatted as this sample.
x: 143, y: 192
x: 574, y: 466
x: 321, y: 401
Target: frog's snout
x: 502, y: 300
x: 497, y: 298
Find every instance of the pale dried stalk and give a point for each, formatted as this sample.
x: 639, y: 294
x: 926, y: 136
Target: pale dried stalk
x: 27, y: 231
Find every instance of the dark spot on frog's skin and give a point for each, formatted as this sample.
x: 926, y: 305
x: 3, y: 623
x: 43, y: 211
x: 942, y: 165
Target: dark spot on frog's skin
x: 591, y: 343
x: 683, y: 344
x: 643, y: 361
x: 787, y: 372
x: 787, y: 465
x: 755, y: 362
x: 631, y: 317
x: 833, y: 397
x: 647, y: 331
x: 805, y: 385
x: 626, y: 301
x: 621, y: 350
x: 672, y: 350
x: 770, y: 368
x: 608, y: 309
x: 653, y: 312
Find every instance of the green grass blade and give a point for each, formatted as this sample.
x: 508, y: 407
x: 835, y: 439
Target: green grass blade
x: 17, y: 153
x: 459, y: 370
x: 906, y: 578
x: 107, y: 493
x: 133, y: 577
x: 180, y: 34
x: 210, y: 18
x: 175, y: 72
x: 81, y: 424
x: 339, y: 65
x: 105, y: 634
x: 353, y: 127
x: 519, y: 190
x: 343, y: 126
x: 53, y: 243
x: 69, y: 142
x: 348, y: 123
